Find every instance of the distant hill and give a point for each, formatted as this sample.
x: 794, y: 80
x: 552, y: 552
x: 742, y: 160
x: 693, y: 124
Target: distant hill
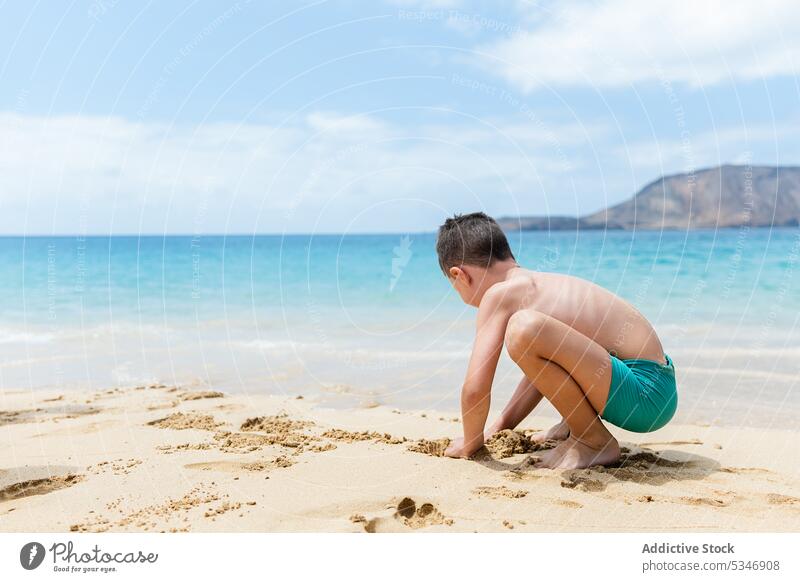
x: 720, y: 197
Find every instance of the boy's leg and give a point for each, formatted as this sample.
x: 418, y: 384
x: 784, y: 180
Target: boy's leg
x: 525, y: 398
x: 574, y: 374
x: 588, y: 442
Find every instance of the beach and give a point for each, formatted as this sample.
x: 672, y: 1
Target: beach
x: 188, y: 458
x: 306, y: 383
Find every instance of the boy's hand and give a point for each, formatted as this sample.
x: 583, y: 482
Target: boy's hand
x: 457, y: 450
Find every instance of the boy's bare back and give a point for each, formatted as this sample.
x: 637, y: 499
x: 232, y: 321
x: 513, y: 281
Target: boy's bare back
x: 588, y: 308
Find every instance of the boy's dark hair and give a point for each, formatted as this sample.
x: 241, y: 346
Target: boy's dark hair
x: 471, y: 239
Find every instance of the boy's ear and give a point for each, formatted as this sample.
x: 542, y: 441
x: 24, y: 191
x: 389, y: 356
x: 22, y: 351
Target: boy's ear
x: 458, y: 272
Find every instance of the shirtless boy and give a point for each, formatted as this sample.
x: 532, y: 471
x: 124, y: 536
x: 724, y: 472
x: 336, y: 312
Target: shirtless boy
x: 589, y: 352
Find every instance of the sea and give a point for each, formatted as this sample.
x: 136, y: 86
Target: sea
x: 366, y: 320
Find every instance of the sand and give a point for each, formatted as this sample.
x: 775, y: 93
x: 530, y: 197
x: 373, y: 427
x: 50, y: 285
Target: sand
x: 167, y: 458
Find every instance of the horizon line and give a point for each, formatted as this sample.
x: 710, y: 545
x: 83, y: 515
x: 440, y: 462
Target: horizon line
x: 202, y: 234
x: 386, y: 233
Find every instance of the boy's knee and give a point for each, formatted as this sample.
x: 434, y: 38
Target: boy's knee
x: 523, y: 330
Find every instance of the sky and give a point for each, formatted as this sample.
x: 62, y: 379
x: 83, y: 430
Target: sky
x: 122, y: 117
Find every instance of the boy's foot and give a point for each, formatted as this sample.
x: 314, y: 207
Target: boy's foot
x: 575, y: 454
x: 551, y: 457
x: 558, y: 432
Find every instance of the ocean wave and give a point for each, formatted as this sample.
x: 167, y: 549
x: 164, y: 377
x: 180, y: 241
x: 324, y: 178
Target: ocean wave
x: 328, y: 349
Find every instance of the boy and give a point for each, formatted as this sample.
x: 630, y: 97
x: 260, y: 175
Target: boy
x: 589, y: 352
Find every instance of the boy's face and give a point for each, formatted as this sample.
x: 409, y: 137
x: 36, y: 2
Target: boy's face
x: 463, y: 282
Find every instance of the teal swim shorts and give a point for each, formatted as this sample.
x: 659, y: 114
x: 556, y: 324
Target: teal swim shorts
x: 643, y: 395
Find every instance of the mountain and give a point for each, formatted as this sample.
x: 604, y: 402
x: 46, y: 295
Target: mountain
x: 720, y: 197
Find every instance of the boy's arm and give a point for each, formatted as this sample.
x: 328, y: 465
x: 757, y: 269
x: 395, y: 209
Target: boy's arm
x: 475, y: 394
x: 526, y: 397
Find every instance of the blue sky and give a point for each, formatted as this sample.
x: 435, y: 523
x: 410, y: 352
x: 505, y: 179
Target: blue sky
x: 166, y: 117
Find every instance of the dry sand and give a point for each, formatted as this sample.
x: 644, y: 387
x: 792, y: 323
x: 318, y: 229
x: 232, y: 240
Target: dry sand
x: 161, y: 458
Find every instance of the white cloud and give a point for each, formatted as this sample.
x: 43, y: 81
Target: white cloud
x: 708, y: 148
x: 328, y: 171
x: 73, y: 174
x: 621, y: 42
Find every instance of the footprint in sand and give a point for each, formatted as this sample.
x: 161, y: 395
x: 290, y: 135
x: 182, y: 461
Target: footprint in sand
x: 35, y: 486
x: 406, y: 515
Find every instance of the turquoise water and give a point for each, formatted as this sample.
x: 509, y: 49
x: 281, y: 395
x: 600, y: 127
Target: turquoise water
x: 370, y: 317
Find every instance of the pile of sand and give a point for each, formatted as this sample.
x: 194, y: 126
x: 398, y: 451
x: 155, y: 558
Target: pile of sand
x: 350, y: 436
x: 428, y: 447
x: 184, y: 420
x: 237, y: 442
x: 281, y: 430
x: 508, y: 443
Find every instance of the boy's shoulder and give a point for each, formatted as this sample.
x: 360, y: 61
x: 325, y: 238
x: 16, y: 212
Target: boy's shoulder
x: 506, y: 295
